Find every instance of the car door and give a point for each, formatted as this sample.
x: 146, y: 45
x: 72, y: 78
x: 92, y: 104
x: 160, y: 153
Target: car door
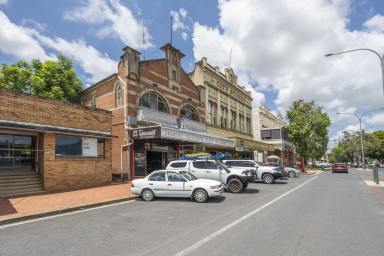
x: 212, y: 170
x: 198, y: 168
x: 158, y: 183
x: 176, y: 185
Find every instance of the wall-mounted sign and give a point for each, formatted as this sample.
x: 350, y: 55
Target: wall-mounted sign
x: 89, y: 146
x: 146, y: 133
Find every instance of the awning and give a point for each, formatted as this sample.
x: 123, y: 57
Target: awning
x: 52, y: 128
x: 171, y: 133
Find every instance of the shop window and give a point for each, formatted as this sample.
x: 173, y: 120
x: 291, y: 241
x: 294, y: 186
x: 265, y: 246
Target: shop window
x: 189, y: 112
x: 119, y: 95
x: 78, y: 146
x: 158, y: 176
x: 179, y: 164
x: 153, y: 101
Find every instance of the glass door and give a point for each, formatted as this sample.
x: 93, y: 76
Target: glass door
x: 17, y: 152
x: 6, y: 153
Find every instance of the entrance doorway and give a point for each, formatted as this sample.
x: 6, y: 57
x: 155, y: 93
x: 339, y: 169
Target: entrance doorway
x: 17, y: 152
x: 156, y: 161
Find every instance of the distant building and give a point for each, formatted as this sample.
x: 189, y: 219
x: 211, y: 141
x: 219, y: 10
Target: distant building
x: 228, y: 109
x: 272, y: 130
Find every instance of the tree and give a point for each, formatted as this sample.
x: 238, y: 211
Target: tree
x: 308, y: 129
x: 374, y: 145
x: 49, y: 79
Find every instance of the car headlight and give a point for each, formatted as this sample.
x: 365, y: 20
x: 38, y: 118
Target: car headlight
x: 215, y: 187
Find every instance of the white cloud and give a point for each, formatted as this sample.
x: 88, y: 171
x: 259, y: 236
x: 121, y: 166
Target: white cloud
x: 114, y: 20
x: 29, y: 43
x: 178, y: 20
x: 4, y: 1
x: 281, y: 46
x: 184, y: 35
x: 92, y: 62
x: 377, y: 119
x: 16, y: 40
x: 376, y: 23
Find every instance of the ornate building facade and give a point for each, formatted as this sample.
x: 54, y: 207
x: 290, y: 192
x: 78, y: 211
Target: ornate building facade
x: 228, y: 109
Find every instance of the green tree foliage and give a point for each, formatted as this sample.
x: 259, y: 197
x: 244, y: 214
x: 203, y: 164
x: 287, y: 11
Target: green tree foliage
x: 50, y: 79
x: 349, y: 149
x: 308, y: 128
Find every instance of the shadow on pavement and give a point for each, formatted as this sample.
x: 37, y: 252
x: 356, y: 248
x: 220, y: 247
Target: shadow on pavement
x: 250, y: 191
x: 218, y: 199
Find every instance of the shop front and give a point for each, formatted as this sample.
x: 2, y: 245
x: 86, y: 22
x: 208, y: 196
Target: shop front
x: 154, y: 147
x: 249, y: 149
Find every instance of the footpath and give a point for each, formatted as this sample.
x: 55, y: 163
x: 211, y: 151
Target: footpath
x: 34, y: 206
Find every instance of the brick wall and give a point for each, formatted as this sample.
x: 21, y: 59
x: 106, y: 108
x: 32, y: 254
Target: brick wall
x: 24, y: 108
x: 62, y: 173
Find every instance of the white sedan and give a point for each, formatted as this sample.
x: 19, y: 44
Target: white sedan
x: 166, y: 183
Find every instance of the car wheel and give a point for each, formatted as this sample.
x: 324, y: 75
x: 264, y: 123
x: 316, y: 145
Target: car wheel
x: 147, y: 195
x: 268, y: 179
x: 291, y: 174
x: 235, y: 185
x: 200, y: 195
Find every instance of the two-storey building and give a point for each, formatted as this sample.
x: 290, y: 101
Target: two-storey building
x: 228, y: 109
x: 273, y: 130
x: 158, y: 112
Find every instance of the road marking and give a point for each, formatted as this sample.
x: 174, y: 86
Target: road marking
x: 238, y: 221
x: 63, y: 214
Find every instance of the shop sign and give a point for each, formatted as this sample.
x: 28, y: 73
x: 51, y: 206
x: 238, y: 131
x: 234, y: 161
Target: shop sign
x: 146, y: 133
x: 155, y: 147
x: 239, y: 149
x: 89, y: 146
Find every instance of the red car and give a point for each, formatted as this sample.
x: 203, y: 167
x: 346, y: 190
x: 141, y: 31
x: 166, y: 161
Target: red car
x: 339, y: 167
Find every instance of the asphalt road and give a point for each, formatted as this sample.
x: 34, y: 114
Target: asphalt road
x: 332, y: 214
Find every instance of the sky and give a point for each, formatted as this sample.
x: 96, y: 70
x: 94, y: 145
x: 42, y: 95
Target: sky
x: 277, y: 46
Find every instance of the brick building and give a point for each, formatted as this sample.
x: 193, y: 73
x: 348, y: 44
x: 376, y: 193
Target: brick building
x: 66, y: 145
x: 158, y: 112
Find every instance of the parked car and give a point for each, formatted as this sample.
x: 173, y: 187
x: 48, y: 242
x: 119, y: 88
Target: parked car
x: 339, y: 167
x: 267, y: 174
x: 166, y: 183
x: 292, y: 172
x: 235, y: 179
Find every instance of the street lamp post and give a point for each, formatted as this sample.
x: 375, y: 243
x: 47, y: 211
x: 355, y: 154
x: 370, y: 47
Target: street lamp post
x: 360, y: 117
x: 381, y: 57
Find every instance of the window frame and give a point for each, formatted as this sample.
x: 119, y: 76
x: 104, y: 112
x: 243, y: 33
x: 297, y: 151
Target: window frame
x: 98, y: 140
x: 156, y: 100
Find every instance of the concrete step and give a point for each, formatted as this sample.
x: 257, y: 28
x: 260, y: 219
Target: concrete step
x: 19, y: 183
x: 20, y: 193
x: 5, y: 186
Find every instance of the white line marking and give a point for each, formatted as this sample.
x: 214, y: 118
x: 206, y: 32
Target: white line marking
x: 238, y: 221
x: 62, y: 214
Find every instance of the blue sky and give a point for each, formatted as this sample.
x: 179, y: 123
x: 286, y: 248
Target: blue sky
x: 278, y: 46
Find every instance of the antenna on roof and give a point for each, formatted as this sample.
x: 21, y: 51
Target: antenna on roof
x: 230, y: 58
x: 171, y: 27
x: 143, y: 38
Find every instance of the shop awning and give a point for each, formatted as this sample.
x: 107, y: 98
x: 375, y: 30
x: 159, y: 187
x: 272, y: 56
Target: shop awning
x: 183, y: 135
x: 52, y: 128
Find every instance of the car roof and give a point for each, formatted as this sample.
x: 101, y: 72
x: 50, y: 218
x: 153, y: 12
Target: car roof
x: 238, y: 160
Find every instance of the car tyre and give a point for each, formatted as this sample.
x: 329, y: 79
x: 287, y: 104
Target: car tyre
x: 291, y: 174
x: 200, y: 195
x: 235, y: 185
x: 268, y: 179
x: 147, y: 195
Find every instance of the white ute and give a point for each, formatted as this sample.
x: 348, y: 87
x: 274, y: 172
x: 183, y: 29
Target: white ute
x: 267, y: 174
x: 236, y: 179
x: 167, y: 183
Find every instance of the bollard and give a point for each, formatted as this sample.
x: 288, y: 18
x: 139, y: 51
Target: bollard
x: 376, y: 175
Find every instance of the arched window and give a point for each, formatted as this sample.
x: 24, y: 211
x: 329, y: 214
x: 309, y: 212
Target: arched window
x: 153, y: 101
x: 119, y: 95
x: 189, y: 112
